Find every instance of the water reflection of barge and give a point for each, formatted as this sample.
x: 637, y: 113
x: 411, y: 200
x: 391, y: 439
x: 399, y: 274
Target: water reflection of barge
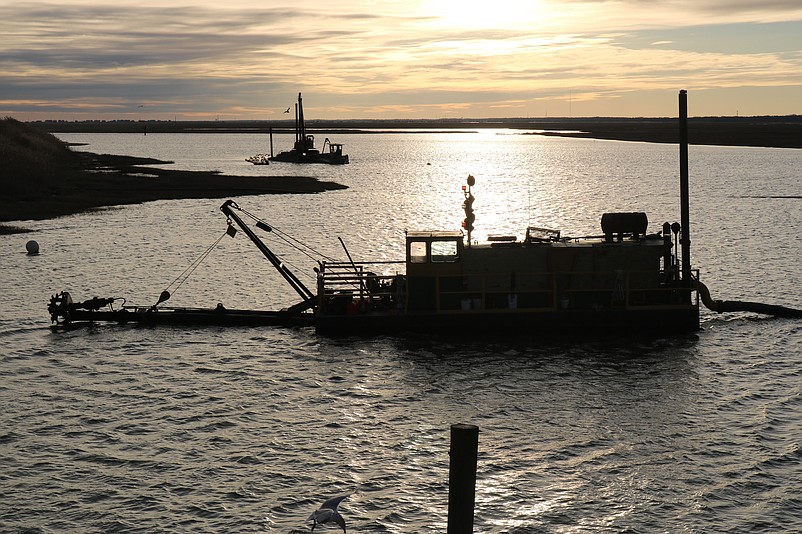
x: 624, y: 280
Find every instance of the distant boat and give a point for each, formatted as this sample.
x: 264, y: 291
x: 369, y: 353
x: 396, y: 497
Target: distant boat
x: 304, y: 150
x: 259, y: 159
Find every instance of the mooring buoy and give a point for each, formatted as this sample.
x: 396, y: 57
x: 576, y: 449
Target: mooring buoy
x: 32, y: 247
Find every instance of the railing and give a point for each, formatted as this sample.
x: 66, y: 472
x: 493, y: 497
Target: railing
x: 345, y: 287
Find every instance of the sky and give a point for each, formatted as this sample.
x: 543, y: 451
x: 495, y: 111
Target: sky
x: 385, y: 59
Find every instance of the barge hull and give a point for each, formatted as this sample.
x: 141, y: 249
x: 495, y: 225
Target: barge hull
x: 191, y: 316
x: 562, y: 322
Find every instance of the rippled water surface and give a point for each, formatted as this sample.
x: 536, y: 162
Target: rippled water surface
x: 130, y: 429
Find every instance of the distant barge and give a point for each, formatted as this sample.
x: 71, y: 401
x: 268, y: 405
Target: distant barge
x: 624, y: 280
x: 304, y: 151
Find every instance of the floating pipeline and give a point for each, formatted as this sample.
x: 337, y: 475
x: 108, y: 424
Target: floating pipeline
x: 724, y: 306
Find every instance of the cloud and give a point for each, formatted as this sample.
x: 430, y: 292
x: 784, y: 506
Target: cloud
x: 729, y: 39
x: 373, y: 59
x: 102, y: 37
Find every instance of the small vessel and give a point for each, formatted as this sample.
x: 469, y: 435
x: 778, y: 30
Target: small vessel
x: 259, y: 159
x: 304, y: 151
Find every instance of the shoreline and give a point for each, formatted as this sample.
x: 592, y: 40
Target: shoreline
x: 769, y: 131
x: 104, y: 180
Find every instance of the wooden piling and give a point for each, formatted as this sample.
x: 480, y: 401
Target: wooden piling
x: 462, y: 478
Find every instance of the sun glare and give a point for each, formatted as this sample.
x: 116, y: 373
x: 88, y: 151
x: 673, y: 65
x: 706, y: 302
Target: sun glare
x: 474, y: 14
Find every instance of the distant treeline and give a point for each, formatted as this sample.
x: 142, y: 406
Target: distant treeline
x: 769, y: 131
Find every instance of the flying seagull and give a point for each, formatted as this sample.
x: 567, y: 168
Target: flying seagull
x: 328, y: 512
x: 287, y: 110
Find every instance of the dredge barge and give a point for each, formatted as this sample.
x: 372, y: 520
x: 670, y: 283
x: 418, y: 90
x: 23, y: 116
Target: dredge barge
x: 304, y: 150
x: 623, y: 280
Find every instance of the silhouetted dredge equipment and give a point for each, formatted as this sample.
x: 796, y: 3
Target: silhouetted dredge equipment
x: 625, y: 280
x: 304, y: 151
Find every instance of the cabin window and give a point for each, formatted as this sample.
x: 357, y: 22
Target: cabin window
x: 417, y: 252
x: 444, y: 252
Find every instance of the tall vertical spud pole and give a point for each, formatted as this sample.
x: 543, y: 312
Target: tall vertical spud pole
x: 684, y: 188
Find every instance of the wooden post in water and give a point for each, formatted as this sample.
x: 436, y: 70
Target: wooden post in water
x: 462, y: 478
x: 270, y: 129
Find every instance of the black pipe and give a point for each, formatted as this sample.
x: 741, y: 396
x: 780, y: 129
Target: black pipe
x: 685, y: 216
x: 723, y: 306
x: 668, y: 261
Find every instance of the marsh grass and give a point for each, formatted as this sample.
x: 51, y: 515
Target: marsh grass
x: 31, y: 161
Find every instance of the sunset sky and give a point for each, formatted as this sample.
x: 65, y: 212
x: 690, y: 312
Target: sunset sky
x: 247, y: 59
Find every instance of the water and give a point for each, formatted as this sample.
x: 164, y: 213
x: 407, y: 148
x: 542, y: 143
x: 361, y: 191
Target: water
x: 130, y: 429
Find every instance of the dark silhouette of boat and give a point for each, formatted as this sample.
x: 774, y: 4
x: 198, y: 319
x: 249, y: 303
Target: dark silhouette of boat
x: 622, y: 281
x: 304, y: 151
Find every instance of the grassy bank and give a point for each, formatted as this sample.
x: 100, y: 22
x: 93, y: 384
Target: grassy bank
x: 41, y: 178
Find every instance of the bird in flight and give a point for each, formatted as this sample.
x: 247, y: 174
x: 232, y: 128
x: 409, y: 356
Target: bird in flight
x: 328, y: 512
x: 287, y: 110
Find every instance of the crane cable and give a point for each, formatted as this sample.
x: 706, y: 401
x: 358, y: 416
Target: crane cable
x: 291, y: 241
x: 184, y: 276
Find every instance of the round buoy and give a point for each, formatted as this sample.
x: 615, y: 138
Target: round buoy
x: 32, y: 247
